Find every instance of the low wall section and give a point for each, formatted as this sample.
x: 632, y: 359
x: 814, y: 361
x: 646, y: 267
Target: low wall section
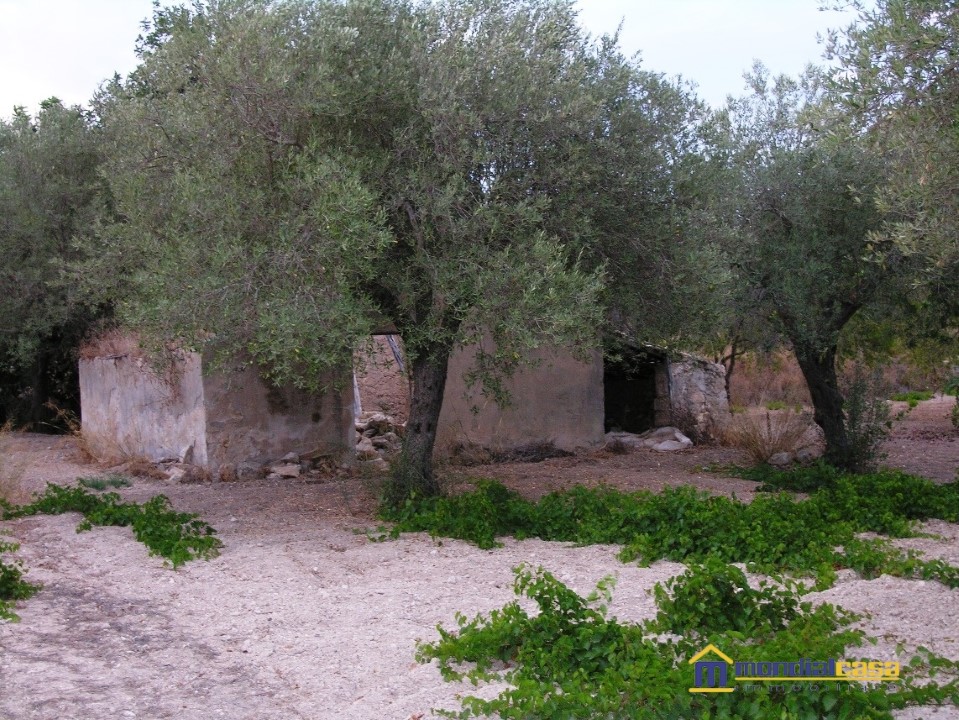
x: 237, y: 419
x: 558, y: 401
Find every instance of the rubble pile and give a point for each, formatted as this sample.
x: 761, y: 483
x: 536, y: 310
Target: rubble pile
x: 664, y: 439
x: 378, y: 438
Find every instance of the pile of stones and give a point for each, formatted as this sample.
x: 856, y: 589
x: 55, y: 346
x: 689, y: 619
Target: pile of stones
x: 664, y: 439
x: 378, y: 438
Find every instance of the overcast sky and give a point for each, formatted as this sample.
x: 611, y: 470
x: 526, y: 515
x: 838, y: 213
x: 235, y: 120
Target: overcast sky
x: 67, y: 48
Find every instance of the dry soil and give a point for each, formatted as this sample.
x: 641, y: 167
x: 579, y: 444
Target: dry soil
x: 303, y: 615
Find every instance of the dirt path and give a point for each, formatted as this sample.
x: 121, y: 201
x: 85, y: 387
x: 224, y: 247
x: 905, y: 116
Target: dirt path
x: 924, y: 441
x: 303, y: 616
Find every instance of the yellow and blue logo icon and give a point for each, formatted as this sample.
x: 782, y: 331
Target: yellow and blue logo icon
x: 715, y: 672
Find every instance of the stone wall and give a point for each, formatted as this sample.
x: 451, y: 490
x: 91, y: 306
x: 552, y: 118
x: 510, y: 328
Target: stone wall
x: 663, y: 405
x: 211, y: 421
x: 697, y: 396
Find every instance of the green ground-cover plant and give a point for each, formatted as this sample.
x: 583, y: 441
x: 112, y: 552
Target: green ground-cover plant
x: 913, y: 397
x: 802, y: 479
x: 715, y: 597
x: 886, y: 501
x: 175, y: 536
x: 570, y: 660
x: 952, y: 386
x: 774, y: 533
x: 12, y: 585
x: 102, y: 483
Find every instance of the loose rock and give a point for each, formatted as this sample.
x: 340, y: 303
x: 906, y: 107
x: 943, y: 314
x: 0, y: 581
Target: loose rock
x: 288, y: 470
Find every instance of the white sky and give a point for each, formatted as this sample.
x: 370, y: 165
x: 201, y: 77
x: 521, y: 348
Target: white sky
x: 68, y: 47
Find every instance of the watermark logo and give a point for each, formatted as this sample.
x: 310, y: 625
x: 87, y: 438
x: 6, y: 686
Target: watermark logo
x: 711, y: 676
x: 716, y: 672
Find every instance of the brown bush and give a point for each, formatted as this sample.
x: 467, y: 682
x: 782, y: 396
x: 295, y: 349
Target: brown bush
x: 761, y: 378
x: 763, y: 434
x: 11, y: 472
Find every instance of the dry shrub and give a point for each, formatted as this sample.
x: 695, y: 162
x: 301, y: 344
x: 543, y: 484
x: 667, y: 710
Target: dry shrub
x: 11, y: 471
x: 228, y: 473
x: 768, y: 377
x: 760, y: 378
x: 763, y: 434
x: 531, y: 453
x: 142, y: 467
x: 111, y: 343
x: 898, y: 374
x: 85, y: 445
x: 467, y: 454
x: 196, y: 475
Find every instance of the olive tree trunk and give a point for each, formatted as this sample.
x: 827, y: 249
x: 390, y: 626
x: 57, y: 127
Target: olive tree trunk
x: 413, y: 474
x: 819, y: 370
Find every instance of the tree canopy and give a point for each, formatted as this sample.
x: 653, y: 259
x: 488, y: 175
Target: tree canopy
x: 800, y: 219
x: 897, y: 79
x: 50, y: 194
x: 291, y: 175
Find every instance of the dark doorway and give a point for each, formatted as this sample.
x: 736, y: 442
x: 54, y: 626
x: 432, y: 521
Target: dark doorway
x: 629, y: 390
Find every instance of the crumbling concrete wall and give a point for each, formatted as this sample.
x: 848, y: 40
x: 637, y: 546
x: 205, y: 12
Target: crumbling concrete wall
x: 127, y: 410
x: 558, y: 401
x: 697, y: 395
x: 250, y: 422
x: 238, y: 419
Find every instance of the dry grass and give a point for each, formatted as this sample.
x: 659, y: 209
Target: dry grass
x: 761, y: 378
x: 762, y: 434
x: 86, y: 448
x: 111, y: 343
x: 143, y: 468
x: 775, y: 377
x: 11, y: 472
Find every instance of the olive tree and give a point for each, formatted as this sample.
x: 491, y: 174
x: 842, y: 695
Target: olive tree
x: 896, y: 76
x: 50, y: 194
x: 801, y: 228
x: 293, y: 174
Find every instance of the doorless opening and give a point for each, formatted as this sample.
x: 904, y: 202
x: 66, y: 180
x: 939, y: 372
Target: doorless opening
x: 629, y: 390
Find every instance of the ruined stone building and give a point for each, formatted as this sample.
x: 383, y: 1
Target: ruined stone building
x: 237, y: 420
x: 561, y: 400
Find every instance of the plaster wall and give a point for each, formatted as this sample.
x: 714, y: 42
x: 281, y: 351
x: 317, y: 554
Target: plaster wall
x: 127, y: 410
x: 250, y: 422
x: 558, y: 401
x: 212, y: 421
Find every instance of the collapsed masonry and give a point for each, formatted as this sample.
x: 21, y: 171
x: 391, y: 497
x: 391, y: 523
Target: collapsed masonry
x: 236, y: 423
